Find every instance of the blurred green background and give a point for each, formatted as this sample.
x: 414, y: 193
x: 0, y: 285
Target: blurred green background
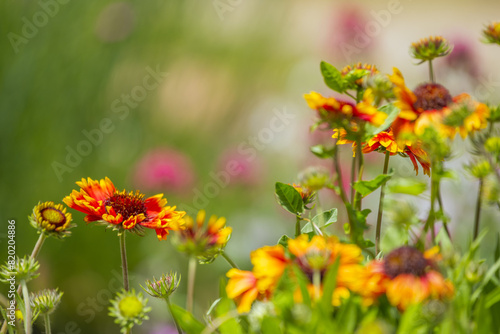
x: 228, y: 84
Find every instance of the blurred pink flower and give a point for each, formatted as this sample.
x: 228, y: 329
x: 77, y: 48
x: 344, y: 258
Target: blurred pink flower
x: 164, y: 169
x: 349, y: 29
x: 244, y: 169
x: 463, y: 58
x: 164, y: 329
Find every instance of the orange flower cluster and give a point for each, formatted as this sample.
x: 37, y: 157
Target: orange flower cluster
x: 406, y: 275
x: 311, y: 256
x: 101, y: 202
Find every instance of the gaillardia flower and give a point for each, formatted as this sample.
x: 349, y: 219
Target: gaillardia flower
x: 492, y: 33
x: 51, y: 219
x: 318, y: 255
x: 205, y: 243
x: 428, y: 105
x: 407, y: 276
x: 163, y: 287
x: 129, y: 309
x: 334, y: 111
x: 427, y: 49
x: 359, y: 71
x: 386, y: 142
x: 45, y: 301
x: 101, y: 202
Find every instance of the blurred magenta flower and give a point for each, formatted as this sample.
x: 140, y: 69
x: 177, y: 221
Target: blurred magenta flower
x: 164, y: 169
x: 463, y: 58
x: 244, y: 168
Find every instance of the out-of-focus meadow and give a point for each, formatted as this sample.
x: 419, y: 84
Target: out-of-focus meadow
x: 163, y: 96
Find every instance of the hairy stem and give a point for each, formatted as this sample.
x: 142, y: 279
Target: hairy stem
x: 431, y: 71
x: 440, y: 202
x: 228, y: 260
x: 359, y: 155
x: 191, y: 279
x: 27, y: 307
x: 47, y: 324
x: 353, y: 177
x: 123, y: 252
x: 381, y: 204
x: 297, y: 227
x: 478, y: 208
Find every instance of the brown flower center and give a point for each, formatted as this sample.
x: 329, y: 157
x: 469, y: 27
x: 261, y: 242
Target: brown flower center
x: 431, y: 96
x: 127, y: 205
x: 53, y: 216
x: 405, y: 260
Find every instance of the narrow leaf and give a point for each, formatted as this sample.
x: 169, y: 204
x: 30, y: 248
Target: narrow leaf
x: 187, y: 321
x: 321, y: 220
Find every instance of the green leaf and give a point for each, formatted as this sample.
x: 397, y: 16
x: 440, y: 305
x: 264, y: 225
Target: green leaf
x: 497, y: 253
x: 487, y: 277
x: 303, y: 281
x: 187, y: 321
x: 493, y: 297
x: 329, y: 284
x: 230, y: 325
x: 283, y: 241
x: 409, y: 186
x: 322, y: 152
x: 321, y: 220
x: 213, y: 306
x: 289, y: 198
x: 411, y: 321
x: 391, y: 111
x: 270, y: 325
x: 332, y: 77
x: 367, y: 187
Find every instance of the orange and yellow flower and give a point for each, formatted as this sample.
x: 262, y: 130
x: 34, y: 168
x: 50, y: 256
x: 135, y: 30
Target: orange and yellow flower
x: 242, y: 287
x: 428, y: 105
x: 407, y: 276
x: 51, y: 219
x: 492, y: 33
x: 332, y: 110
x: 101, y: 202
x: 206, y: 243
x: 385, y: 141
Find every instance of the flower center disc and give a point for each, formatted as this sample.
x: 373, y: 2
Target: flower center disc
x: 431, y: 96
x: 405, y: 260
x: 127, y: 204
x: 53, y: 216
x: 130, y: 306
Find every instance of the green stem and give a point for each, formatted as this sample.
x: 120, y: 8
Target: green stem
x: 432, y: 213
x: 317, y: 283
x: 380, y: 204
x: 173, y: 316
x: 359, y: 155
x: 353, y: 176
x: 478, y: 208
x: 431, y: 71
x: 123, y: 252
x: 228, y: 260
x: 47, y: 324
x: 297, y: 227
x: 27, y: 307
x: 191, y: 278
x: 343, y: 195
x: 440, y: 202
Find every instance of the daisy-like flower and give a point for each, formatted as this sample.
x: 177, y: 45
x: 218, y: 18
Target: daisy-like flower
x: 467, y: 116
x: 318, y: 255
x: 385, y: 141
x: 205, y: 243
x: 334, y: 111
x: 101, y: 202
x: 492, y: 33
x: 428, y: 105
x: 242, y: 287
x: 259, y: 284
x: 129, y: 309
x: 24, y: 269
x: 51, y: 219
x: 407, y: 276
x: 306, y: 194
x: 429, y: 48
